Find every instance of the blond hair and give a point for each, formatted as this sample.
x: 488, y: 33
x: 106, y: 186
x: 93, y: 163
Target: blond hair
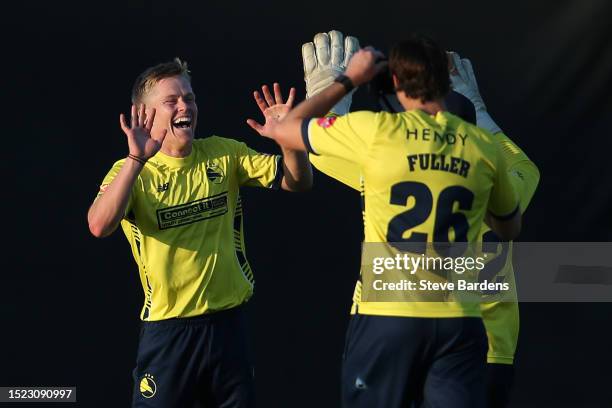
x: 151, y: 76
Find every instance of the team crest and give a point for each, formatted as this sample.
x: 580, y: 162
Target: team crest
x: 214, y: 173
x: 148, y: 388
x: 326, y: 121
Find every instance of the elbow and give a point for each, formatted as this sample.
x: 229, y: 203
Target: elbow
x: 298, y: 186
x: 516, y: 231
x: 297, y: 176
x: 97, y: 228
x: 509, y: 231
x: 298, y: 182
x: 516, y: 226
x: 509, y: 234
x: 304, y: 183
x: 302, y: 187
x: 506, y: 230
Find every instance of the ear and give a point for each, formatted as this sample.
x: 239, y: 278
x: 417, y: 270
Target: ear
x: 395, y: 80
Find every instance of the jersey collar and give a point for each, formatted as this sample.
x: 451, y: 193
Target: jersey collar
x: 440, y: 119
x: 175, y: 161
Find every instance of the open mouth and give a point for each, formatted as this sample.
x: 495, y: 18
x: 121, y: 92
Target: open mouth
x: 182, y: 122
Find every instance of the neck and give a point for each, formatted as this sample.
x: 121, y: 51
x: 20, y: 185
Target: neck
x: 431, y: 107
x: 176, y: 149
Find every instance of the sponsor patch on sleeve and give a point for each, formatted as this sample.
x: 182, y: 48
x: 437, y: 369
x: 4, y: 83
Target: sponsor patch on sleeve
x: 327, y: 121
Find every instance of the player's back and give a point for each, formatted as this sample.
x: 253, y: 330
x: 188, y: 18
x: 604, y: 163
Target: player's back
x: 427, y: 178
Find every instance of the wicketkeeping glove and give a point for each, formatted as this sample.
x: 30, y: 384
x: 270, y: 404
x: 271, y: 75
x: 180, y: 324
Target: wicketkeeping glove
x: 325, y: 59
x: 464, y: 82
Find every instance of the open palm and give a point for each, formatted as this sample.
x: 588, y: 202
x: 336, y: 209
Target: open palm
x: 141, y: 142
x: 273, y: 108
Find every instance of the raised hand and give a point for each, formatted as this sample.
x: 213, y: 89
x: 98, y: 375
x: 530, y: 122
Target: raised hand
x: 141, y: 142
x: 463, y: 81
x: 273, y: 108
x: 364, y: 65
x: 324, y: 59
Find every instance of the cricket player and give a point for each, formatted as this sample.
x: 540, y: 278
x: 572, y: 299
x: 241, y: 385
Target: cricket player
x: 500, y: 312
x: 501, y: 318
x: 177, y: 201
x: 398, y: 353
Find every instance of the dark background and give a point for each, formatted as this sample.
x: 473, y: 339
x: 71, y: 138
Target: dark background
x: 70, y: 303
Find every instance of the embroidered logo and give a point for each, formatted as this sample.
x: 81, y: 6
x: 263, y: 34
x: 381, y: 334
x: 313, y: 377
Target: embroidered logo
x: 214, y: 173
x: 148, y: 388
x: 326, y: 121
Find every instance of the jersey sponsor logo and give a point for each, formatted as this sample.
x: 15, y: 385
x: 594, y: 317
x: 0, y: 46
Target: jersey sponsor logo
x: 148, y: 388
x: 326, y: 121
x: 163, y: 187
x: 193, y: 211
x: 214, y: 173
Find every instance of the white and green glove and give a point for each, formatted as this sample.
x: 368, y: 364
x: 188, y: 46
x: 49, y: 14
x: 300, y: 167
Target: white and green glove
x: 325, y: 59
x: 464, y: 82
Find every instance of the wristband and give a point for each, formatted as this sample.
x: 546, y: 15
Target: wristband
x: 138, y: 159
x: 346, y: 82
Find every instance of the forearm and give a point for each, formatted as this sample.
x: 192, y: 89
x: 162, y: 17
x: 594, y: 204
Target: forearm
x: 289, y: 132
x: 297, y: 171
x: 506, y: 230
x: 106, y: 212
x: 320, y: 104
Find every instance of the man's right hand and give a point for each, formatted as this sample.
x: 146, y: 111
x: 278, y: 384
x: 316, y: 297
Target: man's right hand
x: 141, y: 142
x: 364, y: 65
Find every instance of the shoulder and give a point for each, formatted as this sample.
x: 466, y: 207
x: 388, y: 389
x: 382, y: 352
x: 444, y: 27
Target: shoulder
x: 484, y: 143
x: 119, y: 163
x: 479, y: 134
x: 368, y: 117
x: 116, y: 167
x: 114, y: 170
x: 358, y: 121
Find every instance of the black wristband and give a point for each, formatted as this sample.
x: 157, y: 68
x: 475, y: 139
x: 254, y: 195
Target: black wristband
x: 346, y: 82
x: 138, y: 159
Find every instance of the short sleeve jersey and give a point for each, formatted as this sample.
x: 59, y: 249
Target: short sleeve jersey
x: 418, y: 174
x: 184, y: 225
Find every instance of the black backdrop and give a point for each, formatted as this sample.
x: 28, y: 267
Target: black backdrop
x: 69, y: 302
